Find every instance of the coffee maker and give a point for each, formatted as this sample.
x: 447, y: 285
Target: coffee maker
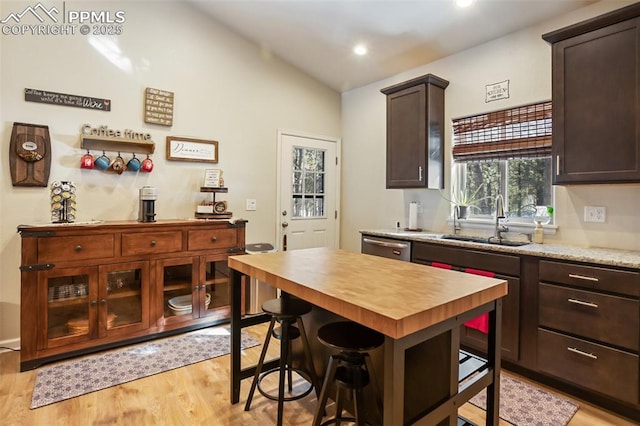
x: 146, y: 210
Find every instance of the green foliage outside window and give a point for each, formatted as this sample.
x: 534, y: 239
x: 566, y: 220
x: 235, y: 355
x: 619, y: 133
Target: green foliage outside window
x: 524, y: 183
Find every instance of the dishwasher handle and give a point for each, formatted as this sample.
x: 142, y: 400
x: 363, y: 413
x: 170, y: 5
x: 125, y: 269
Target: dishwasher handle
x: 401, y: 246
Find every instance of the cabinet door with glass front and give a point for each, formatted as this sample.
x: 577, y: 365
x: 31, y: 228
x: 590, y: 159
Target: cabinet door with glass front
x: 214, y: 288
x: 175, y: 280
x: 123, y: 298
x: 68, y: 306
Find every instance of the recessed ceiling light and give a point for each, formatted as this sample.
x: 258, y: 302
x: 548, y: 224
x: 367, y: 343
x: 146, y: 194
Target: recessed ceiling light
x: 360, y: 49
x: 464, y: 3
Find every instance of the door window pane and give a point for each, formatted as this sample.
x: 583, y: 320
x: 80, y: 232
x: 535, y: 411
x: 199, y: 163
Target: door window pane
x: 308, y: 182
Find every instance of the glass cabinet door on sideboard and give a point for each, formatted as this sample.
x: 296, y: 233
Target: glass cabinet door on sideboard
x: 215, y: 288
x: 124, y: 298
x: 194, y: 287
x: 176, y: 279
x: 84, y: 303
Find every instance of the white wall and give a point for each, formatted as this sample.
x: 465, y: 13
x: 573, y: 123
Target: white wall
x: 524, y: 59
x: 225, y: 88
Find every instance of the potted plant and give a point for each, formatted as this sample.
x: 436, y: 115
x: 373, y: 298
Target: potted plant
x: 464, y: 200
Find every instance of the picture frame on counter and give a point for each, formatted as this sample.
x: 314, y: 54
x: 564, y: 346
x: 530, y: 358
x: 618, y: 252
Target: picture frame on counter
x: 212, y: 178
x: 190, y: 149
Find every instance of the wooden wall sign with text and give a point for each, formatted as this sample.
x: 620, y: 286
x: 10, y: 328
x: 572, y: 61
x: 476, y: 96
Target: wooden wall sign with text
x: 63, y: 99
x: 158, y: 107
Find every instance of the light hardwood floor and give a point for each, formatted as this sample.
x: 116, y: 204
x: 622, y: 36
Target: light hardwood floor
x: 194, y: 395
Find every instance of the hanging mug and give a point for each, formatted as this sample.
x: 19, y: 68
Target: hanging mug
x: 118, y: 164
x: 86, y: 162
x: 134, y: 164
x: 147, y: 165
x: 103, y: 162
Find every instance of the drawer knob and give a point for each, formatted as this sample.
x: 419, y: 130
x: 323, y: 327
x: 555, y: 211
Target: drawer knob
x: 582, y: 303
x: 78, y: 247
x: 153, y: 243
x: 583, y: 353
x: 214, y: 239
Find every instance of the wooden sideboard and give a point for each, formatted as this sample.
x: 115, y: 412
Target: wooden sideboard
x: 87, y: 287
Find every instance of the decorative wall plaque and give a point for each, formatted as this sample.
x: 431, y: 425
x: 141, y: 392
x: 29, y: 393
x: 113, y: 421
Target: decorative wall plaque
x: 30, y: 155
x: 189, y: 149
x: 497, y: 91
x: 158, y: 107
x: 63, y: 99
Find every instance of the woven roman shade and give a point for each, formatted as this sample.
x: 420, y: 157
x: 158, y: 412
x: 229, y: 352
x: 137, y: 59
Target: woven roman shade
x: 520, y: 132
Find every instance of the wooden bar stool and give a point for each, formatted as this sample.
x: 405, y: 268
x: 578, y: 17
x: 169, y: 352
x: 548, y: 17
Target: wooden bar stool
x: 287, y: 311
x: 351, y: 368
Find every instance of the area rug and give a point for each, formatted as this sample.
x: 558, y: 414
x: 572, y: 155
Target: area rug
x: 95, y: 372
x: 522, y: 404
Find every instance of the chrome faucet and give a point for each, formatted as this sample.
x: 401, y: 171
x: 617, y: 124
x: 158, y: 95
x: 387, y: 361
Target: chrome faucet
x: 456, y: 224
x: 500, y: 215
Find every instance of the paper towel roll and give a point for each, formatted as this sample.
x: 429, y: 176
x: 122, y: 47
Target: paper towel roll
x: 413, y: 215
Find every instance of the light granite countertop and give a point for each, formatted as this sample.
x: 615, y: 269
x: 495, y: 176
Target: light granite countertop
x: 601, y: 256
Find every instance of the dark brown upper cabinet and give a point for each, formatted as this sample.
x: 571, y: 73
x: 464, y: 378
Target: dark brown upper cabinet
x: 415, y: 133
x: 596, y: 99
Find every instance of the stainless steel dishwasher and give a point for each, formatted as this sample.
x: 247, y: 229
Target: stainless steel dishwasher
x: 386, y: 247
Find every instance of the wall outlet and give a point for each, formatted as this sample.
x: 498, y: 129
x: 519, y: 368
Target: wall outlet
x: 595, y: 214
x: 251, y: 204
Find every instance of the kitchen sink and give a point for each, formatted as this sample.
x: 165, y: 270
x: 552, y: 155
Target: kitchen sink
x: 485, y: 240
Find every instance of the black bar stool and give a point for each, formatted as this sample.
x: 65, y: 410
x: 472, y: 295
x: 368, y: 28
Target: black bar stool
x: 351, y: 368
x: 287, y: 311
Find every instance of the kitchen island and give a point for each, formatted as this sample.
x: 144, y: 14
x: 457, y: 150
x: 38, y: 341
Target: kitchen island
x: 418, y: 308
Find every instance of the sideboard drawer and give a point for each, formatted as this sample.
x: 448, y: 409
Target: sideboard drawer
x: 597, y: 316
x: 596, y: 367
x: 213, y: 239
x: 137, y: 243
x: 591, y: 277
x: 69, y: 249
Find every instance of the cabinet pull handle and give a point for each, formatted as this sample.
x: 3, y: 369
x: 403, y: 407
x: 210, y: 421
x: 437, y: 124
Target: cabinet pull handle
x: 78, y: 247
x: 420, y: 173
x: 103, y: 301
x: 557, y: 165
x: 214, y: 239
x: 94, y: 302
x: 583, y: 303
x: 196, y: 288
x: 153, y: 243
x: 583, y: 277
x: 583, y: 353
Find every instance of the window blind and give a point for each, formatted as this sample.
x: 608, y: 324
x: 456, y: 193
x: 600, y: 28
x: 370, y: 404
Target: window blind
x: 520, y: 132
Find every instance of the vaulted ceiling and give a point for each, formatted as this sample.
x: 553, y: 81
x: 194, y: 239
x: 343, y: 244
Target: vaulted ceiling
x: 318, y: 36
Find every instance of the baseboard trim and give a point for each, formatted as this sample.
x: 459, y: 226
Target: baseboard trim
x: 13, y: 344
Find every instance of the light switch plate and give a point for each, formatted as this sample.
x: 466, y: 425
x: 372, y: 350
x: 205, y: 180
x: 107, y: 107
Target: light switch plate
x: 595, y: 214
x: 251, y: 204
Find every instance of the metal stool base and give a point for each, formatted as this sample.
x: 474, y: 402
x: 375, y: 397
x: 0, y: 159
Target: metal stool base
x: 299, y: 371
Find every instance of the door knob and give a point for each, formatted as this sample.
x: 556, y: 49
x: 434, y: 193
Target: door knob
x: 285, y: 224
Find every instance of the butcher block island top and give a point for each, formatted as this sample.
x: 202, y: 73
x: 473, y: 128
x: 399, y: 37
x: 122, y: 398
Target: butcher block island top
x: 393, y: 297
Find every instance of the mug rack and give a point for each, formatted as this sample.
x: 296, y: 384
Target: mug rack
x: 98, y: 143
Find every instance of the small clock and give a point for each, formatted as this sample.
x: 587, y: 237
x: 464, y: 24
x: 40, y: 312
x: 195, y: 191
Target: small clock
x: 220, y: 207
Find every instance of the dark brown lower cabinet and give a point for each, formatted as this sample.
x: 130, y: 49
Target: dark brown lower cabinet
x: 589, y: 328
x: 505, y: 266
x: 600, y: 368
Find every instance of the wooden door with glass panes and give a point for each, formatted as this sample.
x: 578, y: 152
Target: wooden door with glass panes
x: 214, y: 287
x: 176, y: 279
x: 68, y: 306
x: 123, y: 298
